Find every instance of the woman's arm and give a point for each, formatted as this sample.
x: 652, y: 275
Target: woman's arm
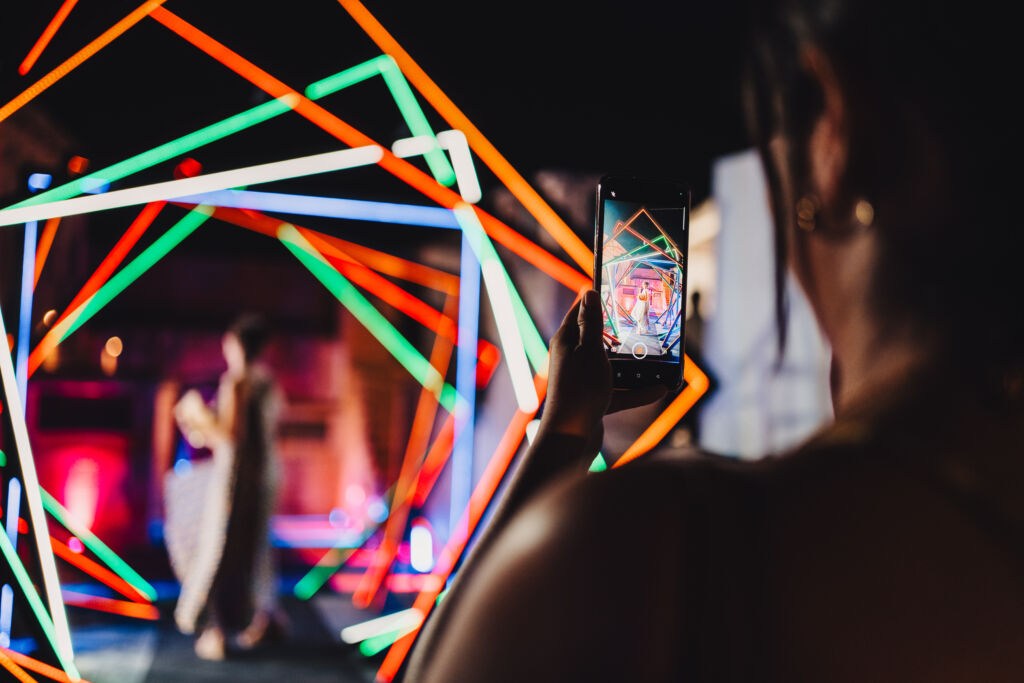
x: 570, y: 434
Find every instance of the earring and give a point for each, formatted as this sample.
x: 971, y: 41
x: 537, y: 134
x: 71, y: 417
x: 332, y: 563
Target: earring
x: 864, y: 213
x: 807, y: 212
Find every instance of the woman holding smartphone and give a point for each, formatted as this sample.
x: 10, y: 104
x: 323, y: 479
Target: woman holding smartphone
x: 889, y: 546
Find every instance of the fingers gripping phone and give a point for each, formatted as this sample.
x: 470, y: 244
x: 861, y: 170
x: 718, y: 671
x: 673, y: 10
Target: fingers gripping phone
x: 641, y: 242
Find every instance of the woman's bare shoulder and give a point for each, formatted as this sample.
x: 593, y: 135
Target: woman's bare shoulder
x: 587, y: 579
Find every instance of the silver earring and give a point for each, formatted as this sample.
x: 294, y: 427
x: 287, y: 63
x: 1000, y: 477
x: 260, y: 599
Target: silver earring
x: 807, y: 212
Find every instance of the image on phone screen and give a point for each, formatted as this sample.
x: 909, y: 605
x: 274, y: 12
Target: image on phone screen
x: 642, y: 280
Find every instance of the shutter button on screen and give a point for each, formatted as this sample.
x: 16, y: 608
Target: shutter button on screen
x: 639, y: 350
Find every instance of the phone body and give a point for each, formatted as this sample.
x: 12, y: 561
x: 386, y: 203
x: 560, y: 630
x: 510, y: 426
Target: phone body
x: 641, y: 246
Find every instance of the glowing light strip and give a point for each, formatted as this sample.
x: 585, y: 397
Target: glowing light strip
x: 56, y: 620
x: 7, y: 593
x: 34, y: 601
x: 501, y: 304
x: 98, y: 547
x: 402, y: 170
x: 465, y: 378
x: 15, y: 670
x: 327, y: 207
x: 35, y: 666
x: 500, y: 166
x: 47, y: 36
x: 126, y: 609
x: 131, y: 272
x: 368, y: 316
x: 455, y: 142
x: 171, y: 189
x: 419, y: 439
x: 97, y: 571
x: 109, y: 264
x: 43, y: 250
x: 482, y: 494
x: 78, y: 58
x: 371, y: 646
x: 28, y: 268
x: 374, y: 627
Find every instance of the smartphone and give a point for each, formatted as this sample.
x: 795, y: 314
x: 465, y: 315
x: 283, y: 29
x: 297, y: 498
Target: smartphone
x: 641, y: 242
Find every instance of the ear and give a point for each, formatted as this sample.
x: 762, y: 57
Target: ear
x: 828, y: 147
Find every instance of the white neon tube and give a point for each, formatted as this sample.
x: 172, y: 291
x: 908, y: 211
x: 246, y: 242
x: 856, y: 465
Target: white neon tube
x: 51, y: 583
x: 501, y: 305
x: 407, y: 618
x: 454, y: 141
x: 172, y: 189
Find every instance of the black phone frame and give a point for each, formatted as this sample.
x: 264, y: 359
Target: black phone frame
x: 628, y: 373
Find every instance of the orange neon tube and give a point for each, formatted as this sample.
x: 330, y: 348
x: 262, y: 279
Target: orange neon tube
x: 106, y: 268
x: 97, y: 571
x: 359, y: 274
x: 47, y: 36
x: 400, y: 168
x: 122, y: 607
x: 43, y: 248
x: 79, y: 57
x: 481, y: 496
x: 696, y: 385
x: 35, y: 666
x: 488, y: 153
x: 15, y: 670
x: 388, y: 264
x: 419, y: 438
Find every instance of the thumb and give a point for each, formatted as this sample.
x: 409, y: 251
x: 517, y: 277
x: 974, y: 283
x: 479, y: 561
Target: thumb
x: 589, y: 320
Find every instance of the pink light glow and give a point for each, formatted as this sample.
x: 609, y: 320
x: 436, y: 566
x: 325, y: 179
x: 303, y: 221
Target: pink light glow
x: 82, y: 490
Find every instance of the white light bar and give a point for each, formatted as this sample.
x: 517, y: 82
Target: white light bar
x: 399, y: 621
x: 172, y: 189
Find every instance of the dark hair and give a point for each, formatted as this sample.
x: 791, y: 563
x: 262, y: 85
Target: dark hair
x: 251, y: 332
x: 930, y: 123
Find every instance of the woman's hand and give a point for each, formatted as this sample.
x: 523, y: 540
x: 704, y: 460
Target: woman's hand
x: 580, y: 376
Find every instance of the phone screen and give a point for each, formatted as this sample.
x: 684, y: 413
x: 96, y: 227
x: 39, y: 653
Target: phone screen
x: 643, y: 283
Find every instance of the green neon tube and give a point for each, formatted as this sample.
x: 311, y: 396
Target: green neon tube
x: 399, y: 347
x: 372, y: 646
x: 143, y: 262
x: 98, y: 547
x: 407, y: 105
x: 18, y: 569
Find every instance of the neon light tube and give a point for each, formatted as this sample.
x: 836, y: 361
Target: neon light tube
x: 419, y: 439
x: 34, y: 601
x: 455, y: 142
x: 98, y: 572
x: 43, y: 249
x: 109, y: 264
x: 79, y: 57
x: 57, y: 618
x: 368, y: 316
x: 327, y: 207
x: 35, y: 666
x: 131, y: 272
x: 12, y: 667
x: 28, y: 269
x: 372, y: 646
x: 500, y: 166
x: 171, y: 189
x: 7, y: 593
x: 385, y: 624
x: 465, y: 380
x: 421, y: 548
x: 127, y: 609
x: 97, y: 547
x: 501, y: 304
x: 47, y: 36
